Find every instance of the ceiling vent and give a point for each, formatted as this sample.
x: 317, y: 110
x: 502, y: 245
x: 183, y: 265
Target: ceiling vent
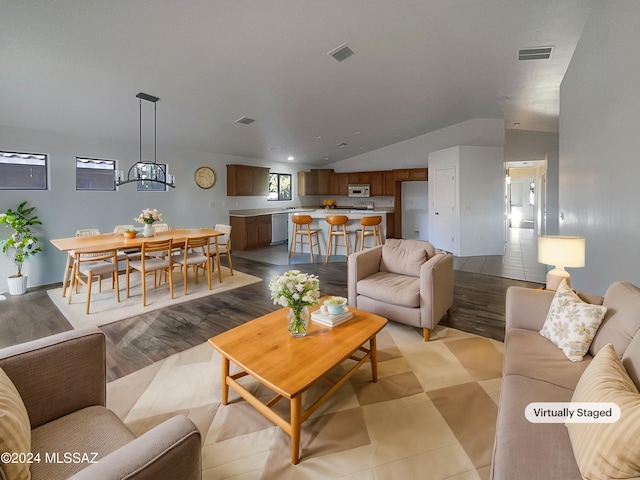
x: 341, y: 53
x: 341, y: 144
x: 535, y: 53
x: 245, y: 120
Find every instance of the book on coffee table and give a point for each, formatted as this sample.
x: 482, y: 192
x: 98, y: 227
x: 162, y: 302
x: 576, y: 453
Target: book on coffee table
x: 330, y: 320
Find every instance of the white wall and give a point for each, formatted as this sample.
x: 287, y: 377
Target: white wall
x: 63, y: 210
x: 600, y: 146
x: 415, y: 210
x: 528, y: 145
x: 552, y: 194
x: 415, y: 151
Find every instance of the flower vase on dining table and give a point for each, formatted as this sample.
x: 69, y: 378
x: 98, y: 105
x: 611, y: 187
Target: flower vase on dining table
x: 298, y: 321
x: 148, y: 230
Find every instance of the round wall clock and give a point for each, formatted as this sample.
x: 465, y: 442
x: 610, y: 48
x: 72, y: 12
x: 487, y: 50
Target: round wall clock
x: 205, y: 177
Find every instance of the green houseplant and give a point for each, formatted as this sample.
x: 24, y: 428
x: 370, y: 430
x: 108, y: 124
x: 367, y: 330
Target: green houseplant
x: 22, y: 243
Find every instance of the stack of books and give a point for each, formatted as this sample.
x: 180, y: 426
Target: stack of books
x: 330, y: 320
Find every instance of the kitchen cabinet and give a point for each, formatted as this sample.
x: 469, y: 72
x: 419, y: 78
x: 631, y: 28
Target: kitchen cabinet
x: 411, y: 174
x: 391, y: 225
x: 389, y: 186
x: 250, y: 232
x: 324, y: 176
x: 376, y: 183
x: 247, y: 180
x: 359, y: 177
x: 307, y: 183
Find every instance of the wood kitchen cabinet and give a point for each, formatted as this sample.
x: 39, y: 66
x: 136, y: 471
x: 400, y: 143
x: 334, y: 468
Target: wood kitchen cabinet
x: 389, y: 186
x: 324, y: 176
x: 359, y: 177
x: 391, y: 231
x: 308, y: 183
x: 376, y: 183
x: 411, y: 174
x: 250, y: 232
x: 247, y: 180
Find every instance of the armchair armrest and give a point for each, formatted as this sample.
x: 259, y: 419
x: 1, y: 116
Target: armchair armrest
x: 170, y: 450
x: 58, y: 375
x: 361, y: 265
x: 436, y: 289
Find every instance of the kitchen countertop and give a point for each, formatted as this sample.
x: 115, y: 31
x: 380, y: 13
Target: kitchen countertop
x: 270, y: 211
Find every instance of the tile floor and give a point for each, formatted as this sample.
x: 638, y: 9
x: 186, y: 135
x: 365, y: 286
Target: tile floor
x: 519, y: 262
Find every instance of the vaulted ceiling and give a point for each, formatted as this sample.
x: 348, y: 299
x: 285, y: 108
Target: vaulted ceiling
x: 75, y: 66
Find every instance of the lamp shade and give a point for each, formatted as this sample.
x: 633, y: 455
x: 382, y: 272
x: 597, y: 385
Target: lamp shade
x: 561, y: 251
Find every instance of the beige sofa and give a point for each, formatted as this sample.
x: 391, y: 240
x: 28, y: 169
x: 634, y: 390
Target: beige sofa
x: 535, y: 370
x: 407, y: 281
x: 62, y: 382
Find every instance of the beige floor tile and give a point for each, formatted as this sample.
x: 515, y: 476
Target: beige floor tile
x: 442, y: 463
x: 433, y: 378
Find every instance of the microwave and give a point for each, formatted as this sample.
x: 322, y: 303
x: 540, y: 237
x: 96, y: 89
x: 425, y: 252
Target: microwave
x: 359, y: 190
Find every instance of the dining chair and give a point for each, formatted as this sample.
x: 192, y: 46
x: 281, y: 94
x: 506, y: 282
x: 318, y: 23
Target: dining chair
x: 196, y: 259
x: 120, y: 229
x: 85, y: 232
x: 224, y: 247
x: 337, y: 221
x: 90, y: 265
x: 155, y: 256
x: 160, y: 227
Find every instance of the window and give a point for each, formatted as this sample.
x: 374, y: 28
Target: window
x: 279, y: 186
x: 152, y: 170
x: 94, y: 174
x: 23, y: 171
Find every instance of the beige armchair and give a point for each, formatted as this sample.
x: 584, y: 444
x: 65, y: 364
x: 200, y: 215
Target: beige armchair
x: 61, y: 380
x: 407, y: 281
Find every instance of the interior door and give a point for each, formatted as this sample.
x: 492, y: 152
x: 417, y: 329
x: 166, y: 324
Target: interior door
x: 442, y: 232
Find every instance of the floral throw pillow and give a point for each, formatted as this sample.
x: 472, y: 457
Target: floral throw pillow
x: 571, y: 323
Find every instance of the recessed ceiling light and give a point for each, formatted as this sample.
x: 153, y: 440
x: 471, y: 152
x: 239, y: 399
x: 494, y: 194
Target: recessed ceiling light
x: 341, y: 53
x: 290, y: 158
x: 357, y: 133
x: 516, y: 123
x: 318, y: 136
x: 341, y: 144
x: 245, y: 120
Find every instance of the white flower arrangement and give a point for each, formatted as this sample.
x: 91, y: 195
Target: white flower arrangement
x: 148, y: 216
x: 295, y: 289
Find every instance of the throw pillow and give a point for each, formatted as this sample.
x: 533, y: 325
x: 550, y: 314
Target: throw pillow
x: 15, y: 428
x: 571, y: 323
x: 607, y: 450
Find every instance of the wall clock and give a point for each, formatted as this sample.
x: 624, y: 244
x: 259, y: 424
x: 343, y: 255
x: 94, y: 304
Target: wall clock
x: 205, y: 177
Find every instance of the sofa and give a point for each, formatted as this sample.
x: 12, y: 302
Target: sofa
x: 407, y: 281
x: 52, y: 408
x: 536, y: 370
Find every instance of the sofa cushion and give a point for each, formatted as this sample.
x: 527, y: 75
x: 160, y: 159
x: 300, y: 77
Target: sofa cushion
x: 531, y: 355
x: 607, y: 450
x: 391, y: 288
x: 90, y: 430
x: 15, y: 429
x: 571, y: 323
x: 405, y: 257
x: 535, y: 451
x: 620, y: 325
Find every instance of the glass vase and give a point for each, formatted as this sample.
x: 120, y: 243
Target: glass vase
x: 298, y: 321
x: 148, y: 230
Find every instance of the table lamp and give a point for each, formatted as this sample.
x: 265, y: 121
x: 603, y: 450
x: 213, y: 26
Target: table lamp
x: 561, y: 252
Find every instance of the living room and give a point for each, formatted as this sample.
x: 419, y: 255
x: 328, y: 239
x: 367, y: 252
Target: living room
x: 595, y: 119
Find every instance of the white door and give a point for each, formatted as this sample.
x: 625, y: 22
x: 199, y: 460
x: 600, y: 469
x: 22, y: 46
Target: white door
x: 442, y: 230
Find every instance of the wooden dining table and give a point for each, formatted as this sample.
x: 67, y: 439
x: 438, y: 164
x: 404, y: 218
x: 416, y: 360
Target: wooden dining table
x: 115, y: 241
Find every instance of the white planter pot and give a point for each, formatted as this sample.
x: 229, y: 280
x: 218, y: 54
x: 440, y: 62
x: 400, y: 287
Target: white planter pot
x: 17, y: 285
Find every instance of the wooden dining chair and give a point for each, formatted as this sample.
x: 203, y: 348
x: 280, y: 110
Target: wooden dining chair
x: 90, y: 265
x: 224, y: 247
x: 85, y: 232
x: 155, y: 256
x: 197, y: 253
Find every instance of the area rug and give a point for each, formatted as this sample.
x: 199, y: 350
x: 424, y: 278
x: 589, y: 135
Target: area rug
x: 105, y: 309
x: 432, y: 413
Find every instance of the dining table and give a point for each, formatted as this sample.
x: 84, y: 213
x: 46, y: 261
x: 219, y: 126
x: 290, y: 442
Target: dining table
x: 116, y: 241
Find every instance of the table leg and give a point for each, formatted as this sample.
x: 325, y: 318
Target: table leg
x: 296, y: 411
x: 374, y: 358
x: 225, y: 374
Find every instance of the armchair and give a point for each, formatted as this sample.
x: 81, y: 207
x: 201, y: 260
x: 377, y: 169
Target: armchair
x: 62, y: 382
x: 407, y: 281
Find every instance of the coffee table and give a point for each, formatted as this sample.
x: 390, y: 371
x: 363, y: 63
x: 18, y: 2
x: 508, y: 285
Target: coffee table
x: 263, y: 349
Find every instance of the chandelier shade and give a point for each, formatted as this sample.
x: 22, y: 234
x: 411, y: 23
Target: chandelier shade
x: 146, y: 170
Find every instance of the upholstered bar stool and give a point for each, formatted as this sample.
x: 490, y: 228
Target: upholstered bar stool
x: 301, y: 228
x: 374, y: 224
x: 337, y: 221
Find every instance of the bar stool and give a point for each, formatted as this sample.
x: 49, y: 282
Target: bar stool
x: 299, y: 223
x: 337, y: 221
x: 375, y: 232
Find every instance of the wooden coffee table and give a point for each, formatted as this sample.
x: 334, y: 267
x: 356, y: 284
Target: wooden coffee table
x: 263, y: 349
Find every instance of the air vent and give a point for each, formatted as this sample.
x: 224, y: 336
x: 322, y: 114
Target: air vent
x: 537, y: 53
x: 341, y: 144
x: 245, y: 120
x: 341, y: 53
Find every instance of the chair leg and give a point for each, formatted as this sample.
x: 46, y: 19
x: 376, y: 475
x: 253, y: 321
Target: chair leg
x: 425, y: 333
x: 89, y: 283
x: 229, y: 261
x: 326, y: 258
x: 66, y: 274
x: 73, y: 275
x: 144, y: 288
x: 346, y: 240
x: 294, y: 238
x: 311, y: 247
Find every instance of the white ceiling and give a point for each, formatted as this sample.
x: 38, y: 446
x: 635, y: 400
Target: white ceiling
x: 75, y: 66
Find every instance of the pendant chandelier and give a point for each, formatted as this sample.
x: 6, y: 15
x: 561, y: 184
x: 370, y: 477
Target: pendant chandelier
x: 147, y: 170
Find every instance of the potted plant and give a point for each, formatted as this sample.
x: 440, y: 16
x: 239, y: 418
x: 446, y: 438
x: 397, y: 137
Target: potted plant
x: 21, y: 245
x: 130, y: 233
